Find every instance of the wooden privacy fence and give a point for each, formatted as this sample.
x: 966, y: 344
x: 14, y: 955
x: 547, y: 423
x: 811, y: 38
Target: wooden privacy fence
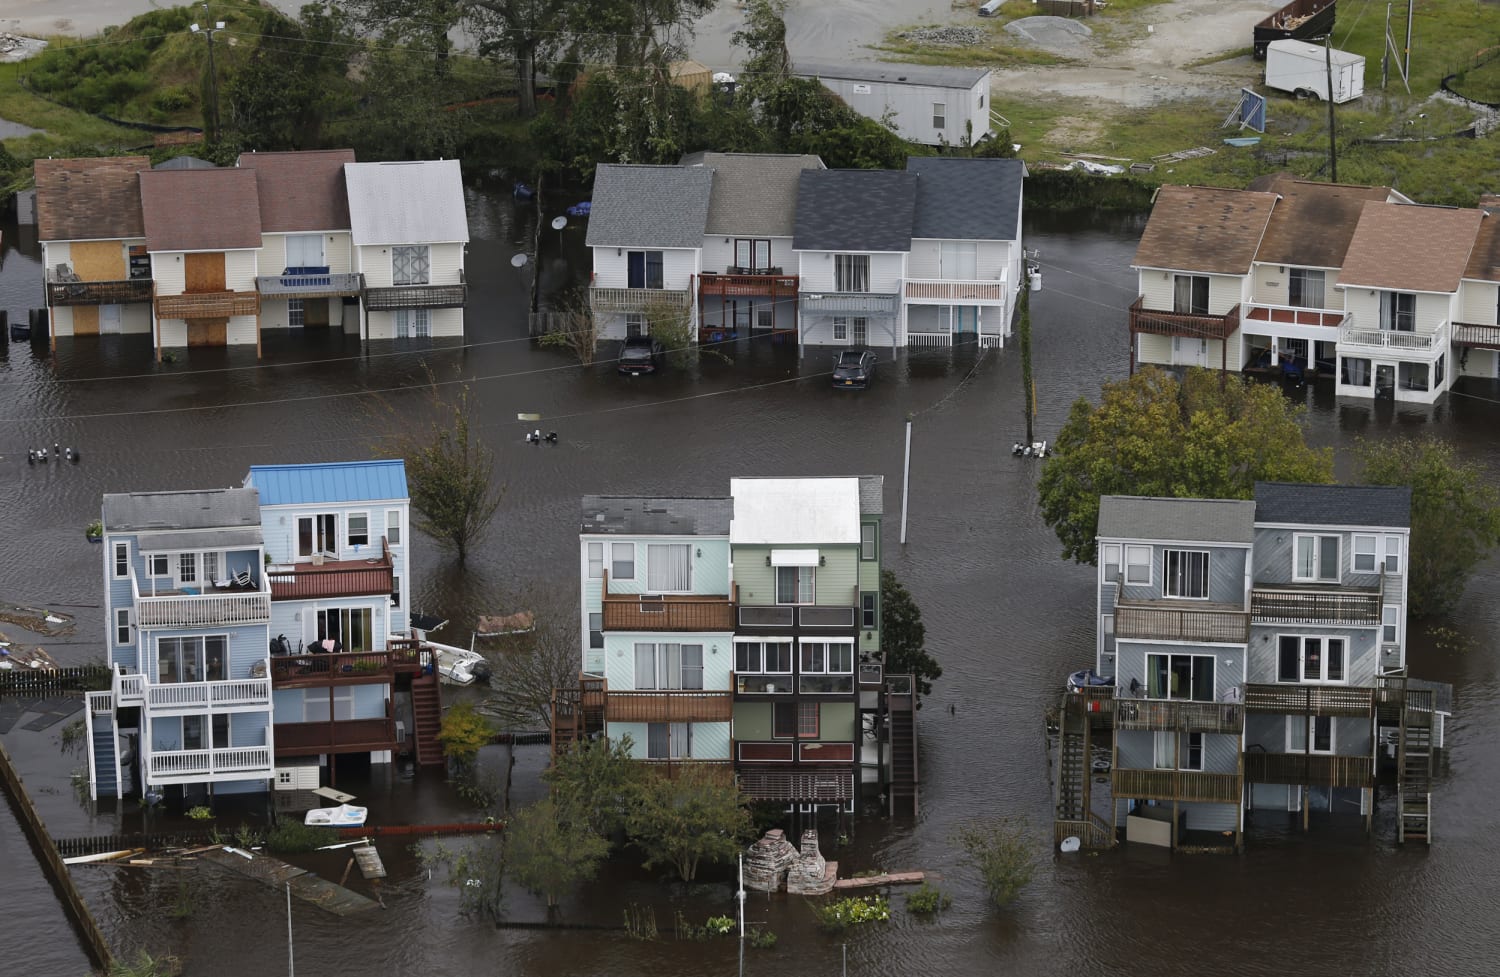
x: 42, y: 681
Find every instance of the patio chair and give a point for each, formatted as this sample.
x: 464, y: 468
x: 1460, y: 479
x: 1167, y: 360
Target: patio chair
x: 242, y: 578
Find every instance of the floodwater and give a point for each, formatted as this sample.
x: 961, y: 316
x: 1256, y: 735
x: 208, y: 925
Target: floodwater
x: 1004, y: 615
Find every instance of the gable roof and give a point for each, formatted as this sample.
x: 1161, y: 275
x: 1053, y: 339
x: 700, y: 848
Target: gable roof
x: 967, y: 199
x: 901, y: 74
x: 200, y: 210
x: 1410, y: 247
x: 413, y: 202
x: 1205, y: 229
x: 1314, y: 222
x: 794, y: 511
x: 1288, y: 503
x: 754, y: 194
x: 89, y: 199
x: 1187, y: 520
x: 331, y: 482
x: 871, y: 495
x: 1484, y: 260
x: 618, y: 515
x: 854, y: 210
x: 301, y: 191
x: 185, y: 163
x: 649, y: 206
x: 231, y: 508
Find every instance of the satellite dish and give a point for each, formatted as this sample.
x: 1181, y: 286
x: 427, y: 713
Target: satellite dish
x: 1070, y: 844
x: 518, y: 260
x: 558, y: 223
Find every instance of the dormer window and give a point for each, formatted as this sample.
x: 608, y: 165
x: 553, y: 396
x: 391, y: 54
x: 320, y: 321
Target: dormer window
x: 1316, y: 559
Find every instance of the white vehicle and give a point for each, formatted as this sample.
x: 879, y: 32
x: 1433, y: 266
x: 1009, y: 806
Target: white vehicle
x: 1303, y: 69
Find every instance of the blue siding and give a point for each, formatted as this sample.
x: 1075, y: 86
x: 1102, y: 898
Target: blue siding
x: 166, y: 733
x: 355, y: 481
x: 248, y: 729
x: 369, y: 701
x: 288, y: 705
x: 241, y: 787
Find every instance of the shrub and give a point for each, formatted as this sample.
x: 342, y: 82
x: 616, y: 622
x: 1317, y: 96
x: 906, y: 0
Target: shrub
x: 927, y: 900
x: 200, y: 813
x: 1001, y: 853
x: 852, y: 911
x: 760, y: 939
x: 463, y: 732
x: 290, y: 837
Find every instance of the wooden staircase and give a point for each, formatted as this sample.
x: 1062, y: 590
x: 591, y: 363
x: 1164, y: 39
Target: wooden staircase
x: 1073, y: 762
x: 901, y: 718
x: 577, y: 712
x: 1414, y: 766
x: 427, y: 717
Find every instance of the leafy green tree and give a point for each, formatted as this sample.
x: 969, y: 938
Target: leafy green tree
x: 549, y: 854
x: 1000, y: 852
x: 594, y: 782
x: 696, y: 816
x: 463, y: 732
x: 1455, y: 515
x: 1207, y: 436
x: 290, y: 82
x: 526, y: 32
x: 450, y: 475
x: 903, y: 636
x: 768, y: 64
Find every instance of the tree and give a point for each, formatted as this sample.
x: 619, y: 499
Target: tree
x: 535, y: 664
x: 526, y: 32
x: 1455, y: 515
x: 463, y: 732
x: 696, y: 816
x: 903, y: 636
x: 549, y: 854
x: 594, y: 782
x: 1208, y: 436
x: 1000, y: 852
x: 767, y: 63
x: 450, y: 476
x: 291, y: 80
x: 572, y: 327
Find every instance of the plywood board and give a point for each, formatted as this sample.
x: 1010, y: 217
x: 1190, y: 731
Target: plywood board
x: 204, y: 272
x: 98, y: 261
x: 207, y: 332
x: 85, y: 320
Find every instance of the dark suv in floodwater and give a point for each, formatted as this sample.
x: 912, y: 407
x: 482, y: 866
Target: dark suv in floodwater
x: 854, y: 368
x: 639, y: 354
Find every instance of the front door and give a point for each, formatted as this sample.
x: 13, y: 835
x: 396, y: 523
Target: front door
x: 1385, y: 380
x: 109, y: 320
x: 1189, y: 352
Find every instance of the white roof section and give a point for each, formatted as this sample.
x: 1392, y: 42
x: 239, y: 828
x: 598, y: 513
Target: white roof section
x: 1305, y: 49
x: 794, y: 511
x: 417, y: 202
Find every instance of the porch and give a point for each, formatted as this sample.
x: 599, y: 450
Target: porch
x: 210, y: 605
x: 69, y: 290
x: 748, y: 301
x: 1355, y: 339
x: 946, y: 291
x: 748, y: 283
x: 806, y: 787
x: 1483, y: 337
x: 1290, y: 339
x: 850, y: 303
x: 335, y: 736
x: 949, y: 322
x: 397, y: 297
x: 1169, y: 621
x: 1188, y: 786
x: 1310, y: 700
x: 308, y: 283
x: 196, y: 766
x: 1309, y: 769
x: 333, y: 578
x: 1180, y: 716
x: 1312, y: 604
x: 674, y: 706
x: 617, y: 300
x: 207, y: 305
x: 304, y: 669
x: 167, y: 697
x: 1160, y: 322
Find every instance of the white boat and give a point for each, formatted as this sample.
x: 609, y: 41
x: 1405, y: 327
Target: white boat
x: 459, y: 666
x: 343, y: 816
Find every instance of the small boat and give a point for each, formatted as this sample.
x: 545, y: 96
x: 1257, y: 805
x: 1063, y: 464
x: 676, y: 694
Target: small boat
x: 460, y: 666
x: 580, y: 209
x: 521, y: 191
x: 500, y: 625
x: 343, y: 816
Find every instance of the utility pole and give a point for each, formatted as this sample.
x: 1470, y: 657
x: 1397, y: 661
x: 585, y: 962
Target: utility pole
x: 208, y: 29
x: 1409, y: 11
x: 1333, y: 156
x: 1385, y: 54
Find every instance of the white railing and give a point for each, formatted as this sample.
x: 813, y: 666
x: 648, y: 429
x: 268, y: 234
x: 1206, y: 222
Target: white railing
x: 207, y: 763
x: 956, y: 289
x: 1290, y: 315
x: 180, y: 695
x: 101, y: 702
x: 179, y: 763
x: 203, y: 610
x: 130, y: 688
x: 929, y: 338
x: 240, y: 692
x: 194, y: 695
x: 240, y: 758
x: 1351, y: 335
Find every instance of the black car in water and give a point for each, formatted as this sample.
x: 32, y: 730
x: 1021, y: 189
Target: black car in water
x: 640, y: 354
x: 854, y: 368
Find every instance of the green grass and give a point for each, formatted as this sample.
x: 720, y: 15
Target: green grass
x: 1447, y: 35
x: 1481, y: 83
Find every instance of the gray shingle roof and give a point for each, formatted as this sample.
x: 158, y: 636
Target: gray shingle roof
x: 871, y: 495
x: 615, y: 515
x: 649, y: 206
x: 1332, y: 505
x: 909, y: 74
x: 967, y: 199
x: 855, y: 210
x: 754, y: 194
x: 1188, y: 520
x: 208, y: 509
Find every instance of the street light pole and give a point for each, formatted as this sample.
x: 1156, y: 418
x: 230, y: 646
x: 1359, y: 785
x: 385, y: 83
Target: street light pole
x: 208, y: 30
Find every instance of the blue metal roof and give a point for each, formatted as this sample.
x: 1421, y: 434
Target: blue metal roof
x: 347, y: 481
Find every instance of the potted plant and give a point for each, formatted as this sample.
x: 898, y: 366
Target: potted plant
x: 94, y: 531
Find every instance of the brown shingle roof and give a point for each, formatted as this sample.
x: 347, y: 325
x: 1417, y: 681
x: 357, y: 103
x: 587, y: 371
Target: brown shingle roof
x: 1484, y: 261
x: 1410, y: 247
x: 1314, y: 222
x: 200, y: 210
x: 89, y: 199
x: 301, y: 191
x: 1204, y: 229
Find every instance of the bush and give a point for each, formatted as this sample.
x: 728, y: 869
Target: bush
x: 852, y: 911
x: 927, y: 900
x: 1001, y: 853
x: 463, y: 732
x: 290, y: 837
x: 760, y: 939
x: 200, y: 813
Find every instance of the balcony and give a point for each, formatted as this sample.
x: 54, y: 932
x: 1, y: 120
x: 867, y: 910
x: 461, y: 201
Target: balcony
x: 850, y: 303
x: 985, y: 291
x: 611, y: 300
x: 638, y: 613
x: 1177, y: 785
x: 213, y: 607
x: 395, y: 297
x: 207, y: 305
x: 1260, y: 318
x: 184, y: 766
x: 69, y: 290
x: 307, y: 283
x: 1382, y: 340
x: 1292, y: 604
x: 676, y: 706
x: 745, y: 283
x: 1181, y: 621
x: 306, y: 669
x: 1176, y: 715
x: 1309, y: 769
x: 332, y: 578
x: 1158, y: 322
x: 341, y: 736
x: 198, y: 696
x: 1310, y: 700
x: 824, y: 786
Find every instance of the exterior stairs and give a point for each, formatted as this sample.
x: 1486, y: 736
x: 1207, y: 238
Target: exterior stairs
x: 1414, y: 767
x: 103, y: 753
x: 901, y: 793
x: 427, y: 717
x: 1073, y: 764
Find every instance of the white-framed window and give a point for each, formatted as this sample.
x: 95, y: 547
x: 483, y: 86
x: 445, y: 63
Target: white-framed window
x: 159, y: 565
x: 851, y: 273
x: 1138, y: 565
x: 595, y: 554
x: 187, y: 568
x: 869, y: 611
x: 668, y: 665
x: 1109, y: 557
x: 318, y: 533
x: 958, y: 260
x: 121, y: 560
x: 1412, y: 376
x: 1398, y: 311
x: 413, y: 323
x: 1185, y: 573
x: 1190, y: 294
x: 1300, y: 728
x: 122, y: 626
x: 669, y: 741
x: 939, y: 115
x: 1305, y: 288
x: 752, y: 254
x: 644, y: 269
x: 296, y: 312
x: 765, y: 318
x: 411, y: 264
x: 841, y: 328
x: 1354, y: 371
x: 395, y: 591
x: 796, y: 585
x: 772, y: 656
x: 305, y: 251
x: 869, y: 541
x: 393, y: 526
x: 1177, y: 751
x: 861, y: 334
x: 1365, y: 548
x: 198, y: 658
x: 1180, y: 677
x: 357, y: 529
x: 352, y: 627
x: 636, y: 325
x: 669, y: 568
x: 596, y: 630
x: 1304, y: 658
x: 1390, y: 623
x: 211, y: 563
x: 1316, y: 558
x: 622, y: 561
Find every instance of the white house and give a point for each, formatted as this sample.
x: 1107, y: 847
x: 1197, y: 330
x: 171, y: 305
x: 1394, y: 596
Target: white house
x: 931, y: 105
x: 1476, y: 338
x: 410, y: 231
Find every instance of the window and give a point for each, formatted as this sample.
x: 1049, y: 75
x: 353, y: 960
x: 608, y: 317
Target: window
x: 210, y: 568
x: 868, y: 541
x: 221, y: 731
x: 669, y: 741
x: 1190, y: 294
x: 192, y: 733
x: 981, y: 99
x: 751, y: 254
x: 1303, y: 658
x: 413, y: 323
x: 1305, y: 288
x: 668, y: 666
x: 869, y: 615
x: 841, y: 328
x: 1138, y: 565
x: 1412, y: 376
x: 861, y: 335
x: 795, y: 585
x: 784, y: 720
x: 122, y: 626
x: 1390, y: 623
x: 196, y: 659
x: 122, y: 560
x: 643, y: 269
x: 1109, y: 557
x: 826, y: 667
x: 1398, y: 311
x: 305, y: 251
x: 765, y: 318
x: 319, y: 707
x: 1317, y: 558
x: 1180, y: 677
x: 1178, y: 751
x: 756, y: 657
x: 669, y: 567
x: 851, y: 273
x: 1438, y: 368
x: 187, y: 567
x: 939, y: 115
x: 807, y: 720
x: 317, y: 534
x: 1299, y: 729
x: 393, y: 526
x: 622, y: 561
x: 1364, y: 554
x: 1186, y: 573
x: 1393, y: 554
x: 296, y: 313
x: 159, y: 565
x: 411, y: 264
x: 351, y: 627
x: 596, y: 560
x: 635, y: 324
x: 1354, y: 371
x: 358, y: 528
x: 395, y: 591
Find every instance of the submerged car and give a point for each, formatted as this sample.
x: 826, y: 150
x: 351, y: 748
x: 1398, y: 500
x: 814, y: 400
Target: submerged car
x: 640, y: 354
x: 854, y: 368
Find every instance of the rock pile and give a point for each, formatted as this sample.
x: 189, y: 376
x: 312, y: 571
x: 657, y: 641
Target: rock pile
x: 768, y: 860
x: 946, y: 36
x: 811, y: 875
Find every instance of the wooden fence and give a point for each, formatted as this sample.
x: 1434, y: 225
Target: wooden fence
x: 44, y: 681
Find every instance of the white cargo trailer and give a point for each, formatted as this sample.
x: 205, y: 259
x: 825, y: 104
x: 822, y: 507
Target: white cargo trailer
x: 1303, y: 69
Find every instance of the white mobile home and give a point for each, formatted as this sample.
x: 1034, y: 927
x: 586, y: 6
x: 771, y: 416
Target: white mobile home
x: 928, y: 105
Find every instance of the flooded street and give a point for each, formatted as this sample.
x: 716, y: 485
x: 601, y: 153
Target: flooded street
x: 1004, y: 615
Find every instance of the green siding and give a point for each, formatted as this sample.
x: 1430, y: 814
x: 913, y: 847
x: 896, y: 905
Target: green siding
x: 752, y: 721
x: 836, y: 722
x: 836, y: 578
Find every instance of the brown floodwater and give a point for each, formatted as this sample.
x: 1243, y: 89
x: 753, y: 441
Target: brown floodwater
x: 1005, y: 616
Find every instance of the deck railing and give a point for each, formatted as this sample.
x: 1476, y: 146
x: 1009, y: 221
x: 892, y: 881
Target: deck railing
x: 735, y: 284
x: 131, y: 689
x: 1469, y: 334
x: 304, y: 581
x: 394, y: 297
x: 1177, y: 785
x: 1275, y: 606
x: 116, y: 292
x: 317, y: 285
x: 100, y: 702
x: 202, y: 610
x: 1289, y: 315
x: 1309, y: 769
x: 1093, y: 832
x: 638, y: 614
x: 675, y: 706
x: 207, y: 305
x: 786, y: 785
x: 304, y: 668
x: 1151, y: 622
x: 851, y: 303
x: 1163, y: 323
x: 956, y: 290
x: 637, y: 299
x: 196, y: 695
x: 1311, y: 700
x: 208, y: 763
x: 1179, y: 716
x: 1351, y: 334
